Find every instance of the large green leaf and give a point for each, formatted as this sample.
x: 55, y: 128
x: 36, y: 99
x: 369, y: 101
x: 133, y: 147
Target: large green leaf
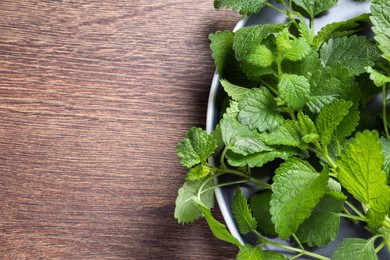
x: 258, y: 110
x: 354, y: 52
x: 240, y: 139
x: 294, y: 90
x: 245, y: 7
x: 297, y: 189
x: 323, y: 225
x: 355, y: 248
x: 186, y: 210
x: 315, y: 7
x: 380, y: 10
x: 360, y: 171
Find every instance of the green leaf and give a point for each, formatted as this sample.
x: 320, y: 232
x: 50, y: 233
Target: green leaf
x: 247, y: 38
x: 307, y: 128
x: 323, y: 225
x: 249, y: 252
x: 234, y: 91
x: 260, y: 205
x: 348, y: 125
x: 297, y: 189
x: 198, y: 172
x: 259, y: 159
x: 380, y: 10
x: 294, y: 90
x: 240, y: 139
x: 219, y: 230
x: 386, y: 153
x: 339, y: 29
x: 222, y: 49
x: 360, y: 172
x: 245, y: 7
x: 196, y: 147
x: 242, y: 213
x: 354, y: 52
x: 232, y: 111
x: 258, y: 110
x: 378, y: 78
x: 186, y: 210
x: 355, y: 248
x: 289, y: 133
x: 315, y: 7
x: 260, y: 56
x: 298, y: 50
x: 330, y: 117
x: 271, y: 255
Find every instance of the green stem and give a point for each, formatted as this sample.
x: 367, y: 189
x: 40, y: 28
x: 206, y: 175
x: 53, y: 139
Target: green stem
x: 353, y: 217
x: 354, y: 209
x: 349, y: 214
x: 207, y: 180
x: 223, y: 185
x: 381, y: 245
x: 222, y: 159
x: 298, y: 241
x: 328, y: 159
x: 275, y: 8
x: 384, y: 114
x: 268, y: 86
x: 338, y: 147
x: 245, y: 176
x: 296, y: 250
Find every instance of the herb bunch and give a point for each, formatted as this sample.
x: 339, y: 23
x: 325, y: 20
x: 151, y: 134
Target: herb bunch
x: 301, y: 98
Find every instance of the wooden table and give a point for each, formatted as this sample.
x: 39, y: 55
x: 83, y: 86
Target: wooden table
x: 94, y: 96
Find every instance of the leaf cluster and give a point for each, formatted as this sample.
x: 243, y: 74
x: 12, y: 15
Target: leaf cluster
x: 302, y: 99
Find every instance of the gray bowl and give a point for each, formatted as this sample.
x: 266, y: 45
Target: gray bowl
x: 346, y: 9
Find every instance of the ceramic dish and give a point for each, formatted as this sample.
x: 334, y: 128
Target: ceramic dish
x: 346, y: 9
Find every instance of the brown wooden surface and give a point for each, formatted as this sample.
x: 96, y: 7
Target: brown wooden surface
x: 94, y: 96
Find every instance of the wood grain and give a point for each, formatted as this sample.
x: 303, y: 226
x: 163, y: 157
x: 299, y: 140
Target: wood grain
x: 94, y: 96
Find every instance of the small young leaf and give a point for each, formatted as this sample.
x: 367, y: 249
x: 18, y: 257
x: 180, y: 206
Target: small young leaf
x: 247, y: 38
x: 289, y: 133
x: 260, y: 205
x: 249, y: 252
x: 245, y: 7
x: 258, y: 110
x: 323, y: 225
x: 360, y: 172
x: 355, y: 248
x: 315, y: 7
x: 297, y: 189
x: 242, y: 213
x: 240, y: 139
x: 299, y: 50
x: 259, y: 159
x: 307, y: 128
x: 196, y: 147
x: 260, y: 56
x: 380, y: 10
x: 198, y: 172
x: 219, y: 230
x: 186, y: 210
x: 354, y: 52
x: 330, y: 117
x: 294, y: 90
x: 234, y: 91
x: 378, y: 78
